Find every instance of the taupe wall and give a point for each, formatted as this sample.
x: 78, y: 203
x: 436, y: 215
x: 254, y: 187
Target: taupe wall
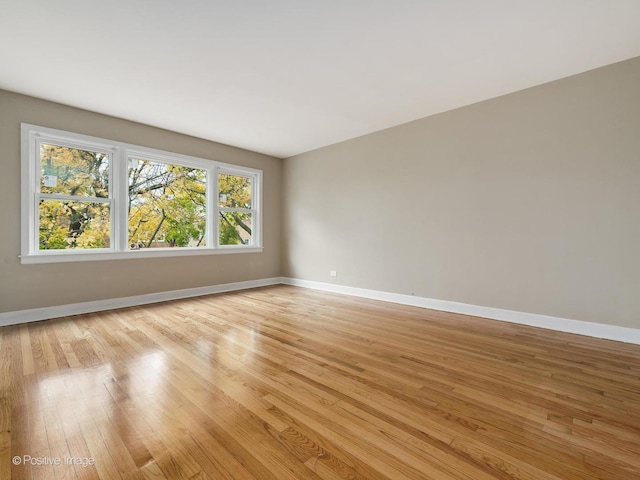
x: 31, y: 286
x: 529, y: 202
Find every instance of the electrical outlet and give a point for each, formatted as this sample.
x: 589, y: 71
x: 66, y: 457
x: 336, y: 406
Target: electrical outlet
x: 333, y: 273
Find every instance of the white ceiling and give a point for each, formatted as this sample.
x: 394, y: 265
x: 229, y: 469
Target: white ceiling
x: 286, y: 76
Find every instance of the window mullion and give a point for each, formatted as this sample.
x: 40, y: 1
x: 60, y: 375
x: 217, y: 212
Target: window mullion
x: 213, y: 234
x: 120, y: 194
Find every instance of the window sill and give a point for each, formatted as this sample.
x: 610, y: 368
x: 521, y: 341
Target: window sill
x: 67, y: 256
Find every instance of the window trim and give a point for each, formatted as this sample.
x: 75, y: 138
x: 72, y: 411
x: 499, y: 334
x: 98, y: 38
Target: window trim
x: 33, y: 135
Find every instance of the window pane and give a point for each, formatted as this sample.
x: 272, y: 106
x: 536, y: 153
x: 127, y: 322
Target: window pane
x: 167, y: 205
x: 77, y: 225
x: 235, y: 228
x: 234, y: 191
x: 70, y: 171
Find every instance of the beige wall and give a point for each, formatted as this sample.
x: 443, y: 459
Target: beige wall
x: 528, y: 202
x: 31, y: 286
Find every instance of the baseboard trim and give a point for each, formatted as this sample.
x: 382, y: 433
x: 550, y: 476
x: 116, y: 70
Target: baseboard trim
x: 36, y: 314
x: 598, y: 330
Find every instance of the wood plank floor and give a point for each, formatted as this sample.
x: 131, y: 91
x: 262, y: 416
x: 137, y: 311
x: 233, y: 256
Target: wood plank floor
x: 286, y: 383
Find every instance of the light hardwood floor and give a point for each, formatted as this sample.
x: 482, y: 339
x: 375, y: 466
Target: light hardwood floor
x: 286, y: 383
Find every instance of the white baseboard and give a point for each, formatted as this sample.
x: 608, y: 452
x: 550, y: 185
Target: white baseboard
x: 598, y: 330
x: 35, y: 314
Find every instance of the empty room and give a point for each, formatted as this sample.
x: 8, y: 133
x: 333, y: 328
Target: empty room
x: 320, y: 240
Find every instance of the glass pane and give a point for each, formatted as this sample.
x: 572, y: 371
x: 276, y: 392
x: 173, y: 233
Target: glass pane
x: 167, y: 205
x: 70, y: 171
x: 79, y: 225
x: 235, y: 228
x: 234, y: 191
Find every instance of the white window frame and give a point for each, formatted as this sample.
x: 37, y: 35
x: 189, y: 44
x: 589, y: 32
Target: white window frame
x: 256, y: 239
x: 31, y: 138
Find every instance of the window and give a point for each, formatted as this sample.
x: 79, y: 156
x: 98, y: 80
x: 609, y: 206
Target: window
x: 86, y: 198
x: 235, y: 209
x: 167, y: 205
x: 73, y: 200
